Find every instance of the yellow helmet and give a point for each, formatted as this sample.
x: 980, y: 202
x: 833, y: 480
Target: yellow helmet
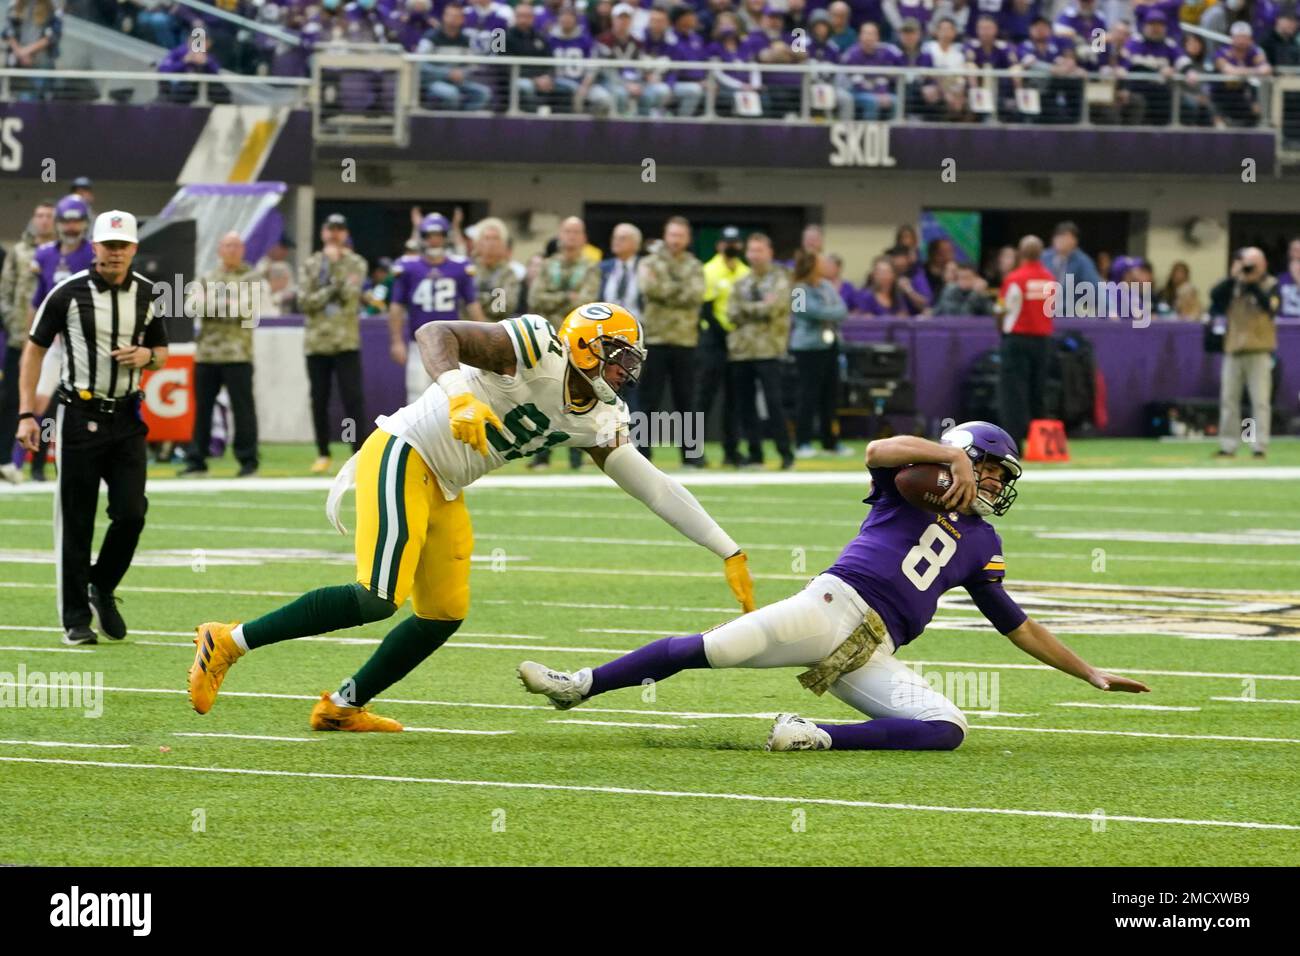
x: 602, y: 333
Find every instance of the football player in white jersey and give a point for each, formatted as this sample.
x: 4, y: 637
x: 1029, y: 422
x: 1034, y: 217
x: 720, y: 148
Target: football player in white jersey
x: 502, y: 390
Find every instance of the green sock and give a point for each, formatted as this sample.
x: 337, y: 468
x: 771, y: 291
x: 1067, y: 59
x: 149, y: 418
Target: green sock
x: 316, y: 612
x: 402, y: 651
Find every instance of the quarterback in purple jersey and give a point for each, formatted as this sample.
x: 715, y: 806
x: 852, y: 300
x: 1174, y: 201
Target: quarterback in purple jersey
x: 432, y: 287
x: 880, y: 594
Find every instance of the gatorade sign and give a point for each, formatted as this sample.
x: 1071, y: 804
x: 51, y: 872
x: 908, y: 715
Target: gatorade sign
x: 169, y: 397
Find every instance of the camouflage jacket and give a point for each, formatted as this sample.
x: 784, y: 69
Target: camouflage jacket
x: 17, y: 284
x: 760, y: 311
x: 232, y: 304
x: 330, y: 298
x: 672, y: 290
x: 498, y: 289
x: 551, y: 294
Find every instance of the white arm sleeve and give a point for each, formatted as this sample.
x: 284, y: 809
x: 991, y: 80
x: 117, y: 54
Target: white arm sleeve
x: 666, y: 497
x: 1014, y: 301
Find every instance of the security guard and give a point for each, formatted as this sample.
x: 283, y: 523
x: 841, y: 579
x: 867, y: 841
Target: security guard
x: 110, y: 335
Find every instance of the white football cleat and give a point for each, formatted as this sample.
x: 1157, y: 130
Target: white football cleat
x: 561, y: 689
x: 11, y: 474
x: 792, y: 732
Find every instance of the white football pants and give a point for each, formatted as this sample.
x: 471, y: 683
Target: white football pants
x: 804, y: 628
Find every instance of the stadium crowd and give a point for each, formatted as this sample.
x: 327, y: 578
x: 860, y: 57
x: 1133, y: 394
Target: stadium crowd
x: 748, y: 319
x: 1055, y: 45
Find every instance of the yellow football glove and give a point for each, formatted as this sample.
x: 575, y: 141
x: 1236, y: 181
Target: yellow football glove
x: 470, y: 419
x: 740, y: 580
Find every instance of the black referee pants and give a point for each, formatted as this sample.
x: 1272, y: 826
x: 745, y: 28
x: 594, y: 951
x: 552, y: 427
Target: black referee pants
x: 1023, y: 378
x: 322, y: 371
x: 237, y: 377
x: 92, y: 448
x: 9, y: 404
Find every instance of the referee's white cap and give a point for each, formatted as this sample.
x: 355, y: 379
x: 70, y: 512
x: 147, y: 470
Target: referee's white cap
x: 114, y: 225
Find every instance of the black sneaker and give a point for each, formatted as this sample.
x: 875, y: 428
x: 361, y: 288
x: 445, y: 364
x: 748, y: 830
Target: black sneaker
x: 38, y: 474
x: 193, y: 468
x: 1259, y: 453
x: 247, y: 471
x: 104, y: 607
x: 1225, y: 454
x: 81, y: 634
x: 787, y: 461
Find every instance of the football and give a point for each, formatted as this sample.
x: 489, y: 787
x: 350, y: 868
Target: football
x: 924, y: 486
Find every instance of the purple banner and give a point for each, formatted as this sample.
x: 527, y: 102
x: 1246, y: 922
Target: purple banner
x: 1027, y: 149
x: 121, y: 142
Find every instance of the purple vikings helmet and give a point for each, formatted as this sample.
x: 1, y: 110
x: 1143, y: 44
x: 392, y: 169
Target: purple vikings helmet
x: 71, y: 209
x: 435, y: 224
x: 982, y: 440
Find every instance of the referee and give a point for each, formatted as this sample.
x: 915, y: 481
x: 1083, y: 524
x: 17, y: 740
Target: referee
x: 110, y: 335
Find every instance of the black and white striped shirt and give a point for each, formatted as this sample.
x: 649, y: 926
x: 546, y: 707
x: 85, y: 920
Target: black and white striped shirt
x: 95, y: 318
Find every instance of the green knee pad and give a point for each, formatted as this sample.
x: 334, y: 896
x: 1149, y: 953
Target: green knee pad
x: 371, y: 607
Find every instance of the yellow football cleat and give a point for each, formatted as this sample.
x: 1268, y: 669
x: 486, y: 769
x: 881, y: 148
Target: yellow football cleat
x: 217, y: 650
x: 321, y: 465
x: 327, y: 715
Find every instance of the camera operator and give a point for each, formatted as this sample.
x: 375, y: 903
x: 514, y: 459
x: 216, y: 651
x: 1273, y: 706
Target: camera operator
x: 1249, y: 299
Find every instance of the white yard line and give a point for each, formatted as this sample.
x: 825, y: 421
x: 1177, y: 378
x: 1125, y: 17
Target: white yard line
x: 191, y: 733
x: 1094, y: 706
x: 453, y: 730
x: 617, y: 723
x: 42, y: 650
x: 64, y: 743
x: 1141, y: 733
x: 1255, y: 700
x: 646, y: 792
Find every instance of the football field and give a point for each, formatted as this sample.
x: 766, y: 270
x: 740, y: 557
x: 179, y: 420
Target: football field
x: 1191, y: 585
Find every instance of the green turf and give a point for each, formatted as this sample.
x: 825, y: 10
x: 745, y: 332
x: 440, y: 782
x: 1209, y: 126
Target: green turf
x: 454, y: 808
x: 294, y: 460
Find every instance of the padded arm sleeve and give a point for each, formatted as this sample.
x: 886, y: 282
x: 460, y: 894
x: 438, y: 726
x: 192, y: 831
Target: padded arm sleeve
x: 667, y: 498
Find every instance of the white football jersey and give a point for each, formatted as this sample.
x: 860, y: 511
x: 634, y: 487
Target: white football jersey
x: 533, y: 405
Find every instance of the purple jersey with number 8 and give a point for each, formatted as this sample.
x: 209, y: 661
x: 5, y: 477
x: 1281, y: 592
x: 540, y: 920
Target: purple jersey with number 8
x: 904, y: 558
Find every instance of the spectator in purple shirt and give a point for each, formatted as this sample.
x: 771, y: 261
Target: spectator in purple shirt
x: 688, y: 85
x: 1152, y: 53
x: 921, y: 93
x: 1055, y: 72
x: 821, y: 48
x: 570, y: 45
x: 408, y: 23
x: 486, y: 22
x: 186, y: 59
x: 726, y: 49
x: 1237, y: 100
x: 770, y: 45
x: 880, y: 294
x: 912, y: 283
x: 1081, y: 25
x: 1288, y: 283
x: 987, y: 52
x: 873, y: 95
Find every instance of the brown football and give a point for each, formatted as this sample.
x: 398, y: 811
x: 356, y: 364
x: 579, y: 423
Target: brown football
x: 924, y: 486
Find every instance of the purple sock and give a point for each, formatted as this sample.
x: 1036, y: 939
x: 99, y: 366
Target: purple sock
x: 657, y: 660
x: 895, y: 733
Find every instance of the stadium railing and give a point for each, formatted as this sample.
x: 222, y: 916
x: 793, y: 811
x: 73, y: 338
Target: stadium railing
x: 145, y: 87
x: 635, y: 89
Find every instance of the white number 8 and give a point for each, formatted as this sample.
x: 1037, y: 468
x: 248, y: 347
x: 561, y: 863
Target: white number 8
x: 923, y: 550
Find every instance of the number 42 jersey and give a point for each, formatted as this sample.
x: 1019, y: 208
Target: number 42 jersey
x: 533, y: 405
x: 904, y: 558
